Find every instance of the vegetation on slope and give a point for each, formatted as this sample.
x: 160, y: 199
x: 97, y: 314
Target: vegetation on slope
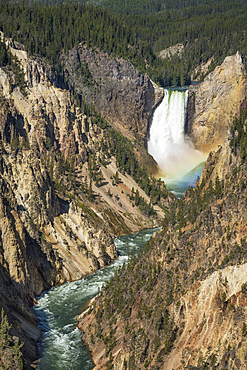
x: 47, y: 31
x: 113, y: 145
x: 158, y: 6
x: 10, y: 349
x: 33, y: 146
x: 10, y: 62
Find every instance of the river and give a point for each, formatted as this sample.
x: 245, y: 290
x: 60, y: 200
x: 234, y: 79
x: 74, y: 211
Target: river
x: 61, y: 347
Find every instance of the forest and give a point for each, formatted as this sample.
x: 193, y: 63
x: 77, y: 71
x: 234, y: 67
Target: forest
x: 208, y: 31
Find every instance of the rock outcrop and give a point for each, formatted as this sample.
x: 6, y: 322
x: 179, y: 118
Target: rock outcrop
x: 213, y: 102
x: 118, y: 91
x: 167, y: 53
x: 32, y: 189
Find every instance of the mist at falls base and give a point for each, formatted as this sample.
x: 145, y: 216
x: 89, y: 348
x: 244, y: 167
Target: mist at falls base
x: 180, y: 163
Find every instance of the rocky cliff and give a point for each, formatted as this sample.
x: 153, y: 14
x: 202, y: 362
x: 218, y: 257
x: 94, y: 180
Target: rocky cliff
x: 182, y: 303
x: 28, y: 266
x: 213, y: 102
x: 70, y: 148
x: 122, y: 95
x: 42, y: 118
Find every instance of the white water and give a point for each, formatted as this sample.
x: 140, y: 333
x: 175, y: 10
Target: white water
x: 167, y: 143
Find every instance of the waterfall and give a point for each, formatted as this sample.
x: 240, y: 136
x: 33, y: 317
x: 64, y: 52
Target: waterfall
x: 167, y: 143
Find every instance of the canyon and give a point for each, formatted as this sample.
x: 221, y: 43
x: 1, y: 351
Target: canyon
x: 128, y: 99
x: 195, y: 318
x: 67, y: 191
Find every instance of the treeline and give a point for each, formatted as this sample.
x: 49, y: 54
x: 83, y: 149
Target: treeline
x: 205, y: 29
x: 155, y: 6
x: 141, y: 6
x: 49, y: 30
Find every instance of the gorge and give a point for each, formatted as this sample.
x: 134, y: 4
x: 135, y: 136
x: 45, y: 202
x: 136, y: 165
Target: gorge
x: 69, y: 186
x: 57, y: 309
x: 75, y: 175
x: 160, y: 138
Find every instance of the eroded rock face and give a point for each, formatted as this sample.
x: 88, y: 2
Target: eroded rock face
x: 45, y: 113
x: 82, y: 245
x: 121, y: 94
x: 208, y: 314
x: 222, y: 163
x: 49, y: 113
x: 171, y: 51
x: 44, y: 241
x: 212, y: 103
x: 26, y: 271
x: 47, y: 117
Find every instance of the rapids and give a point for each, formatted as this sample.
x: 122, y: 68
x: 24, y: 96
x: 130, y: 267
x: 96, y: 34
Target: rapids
x: 61, y: 347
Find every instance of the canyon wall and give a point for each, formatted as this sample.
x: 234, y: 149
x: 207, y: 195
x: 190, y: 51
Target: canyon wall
x: 213, y: 102
x: 65, y: 196
x: 126, y: 98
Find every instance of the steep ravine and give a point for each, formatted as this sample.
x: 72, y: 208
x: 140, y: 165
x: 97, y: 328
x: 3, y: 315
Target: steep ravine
x: 58, y: 308
x: 71, y: 148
